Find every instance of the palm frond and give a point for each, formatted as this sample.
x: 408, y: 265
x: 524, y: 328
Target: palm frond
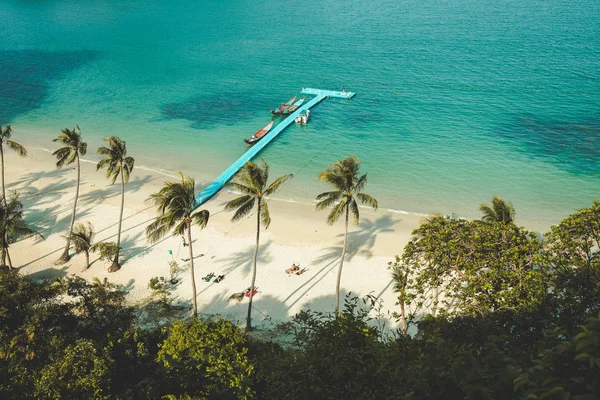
x: 354, y: 210
x: 244, y: 209
x: 16, y: 147
x: 273, y: 187
x: 336, y: 193
x: 5, y: 133
x: 158, y: 229
x: 82, y: 148
x: 265, y: 216
x: 329, y: 201
x: 240, y: 188
x: 62, y: 156
x: 337, y: 211
x: 200, y: 218
x: 238, y: 202
x: 128, y: 163
x: 368, y: 200
x: 361, y: 182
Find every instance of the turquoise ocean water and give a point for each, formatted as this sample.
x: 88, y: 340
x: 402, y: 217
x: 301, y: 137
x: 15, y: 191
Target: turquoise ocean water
x: 457, y: 100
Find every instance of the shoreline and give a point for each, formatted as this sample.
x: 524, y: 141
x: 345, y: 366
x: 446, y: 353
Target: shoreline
x: 298, y: 234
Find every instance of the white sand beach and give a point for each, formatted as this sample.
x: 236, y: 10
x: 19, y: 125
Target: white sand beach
x: 298, y: 234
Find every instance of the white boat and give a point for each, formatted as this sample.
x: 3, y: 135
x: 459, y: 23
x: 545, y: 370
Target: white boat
x: 303, y: 118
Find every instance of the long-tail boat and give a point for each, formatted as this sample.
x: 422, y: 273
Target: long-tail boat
x: 259, y: 134
x: 293, y: 107
x: 283, y: 106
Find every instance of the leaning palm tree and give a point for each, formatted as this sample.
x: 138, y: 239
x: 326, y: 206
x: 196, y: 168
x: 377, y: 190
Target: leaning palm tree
x: 251, y: 181
x: 344, y: 177
x: 5, y: 134
x: 81, y: 238
x: 74, y: 147
x: 499, y: 211
x: 176, y: 203
x: 12, y: 225
x: 116, y: 163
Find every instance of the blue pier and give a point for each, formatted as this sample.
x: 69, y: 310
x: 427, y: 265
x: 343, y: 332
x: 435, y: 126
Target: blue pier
x: 218, y: 183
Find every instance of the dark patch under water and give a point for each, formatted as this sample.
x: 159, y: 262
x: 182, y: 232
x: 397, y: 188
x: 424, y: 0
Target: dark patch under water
x: 572, y: 146
x: 224, y: 109
x: 25, y: 76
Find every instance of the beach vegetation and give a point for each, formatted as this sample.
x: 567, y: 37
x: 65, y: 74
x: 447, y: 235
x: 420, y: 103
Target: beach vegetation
x: 13, y: 226
x: 117, y: 164
x: 7, y: 144
x: 69, y: 337
x: 176, y: 204
x: 73, y: 148
x: 252, y: 182
x: 106, y: 250
x: 344, y: 176
x: 206, y: 360
x: 81, y: 240
x: 475, y: 268
x: 499, y: 211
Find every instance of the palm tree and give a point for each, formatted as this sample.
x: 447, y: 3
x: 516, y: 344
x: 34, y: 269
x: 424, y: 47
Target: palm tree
x: 12, y: 225
x: 499, y: 211
x: 401, y: 283
x: 5, y: 134
x: 74, y: 147
x: 176, y: 203
x: 81, y: 238
x: 251, y: 181
x: 116, y: 163
x: 343, y: 176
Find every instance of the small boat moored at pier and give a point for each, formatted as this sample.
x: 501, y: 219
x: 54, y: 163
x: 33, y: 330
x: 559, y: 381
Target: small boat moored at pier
x: 303, y: 118
x: 284, y: 106
x: 260, y: 134
x: 292, y: 108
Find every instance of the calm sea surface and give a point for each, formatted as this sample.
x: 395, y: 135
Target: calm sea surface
x: 457, y: 100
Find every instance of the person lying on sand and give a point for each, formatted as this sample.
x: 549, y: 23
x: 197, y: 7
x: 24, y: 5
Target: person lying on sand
x: 300, y: 272
x: 247, y: 292
x: 237, y: 296
x: 219, y: 278
x: 293, y: 269
x: 208, y: 277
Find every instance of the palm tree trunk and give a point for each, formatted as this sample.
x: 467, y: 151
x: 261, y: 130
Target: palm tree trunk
x: 194, y: 303
x: 4, y: 248
x: 339, y: 275
x: 65, y: 255
x: 8, y: 257
x: 3, y: 188
x: 87, y: 260
x: 403, y: 325
x: 115, y: 264
x: 249, y: 318
x: 436, y: 295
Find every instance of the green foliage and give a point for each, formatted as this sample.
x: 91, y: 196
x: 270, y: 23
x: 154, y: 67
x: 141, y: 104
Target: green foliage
x: 115, y: 159
x: 568, y: 366
x: 476, y: 267
x: 12, y: 225
x: 82, y: 236
x: 176, y: 203
x: 539, y: 340
x: 207, y: 359
x: 74, y: 146
x: 105, y: 250
x: 343, y: 176
x: 78, y: 371
x: 572, y: 254
x: 252, y: 180
x: 499, y: 211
